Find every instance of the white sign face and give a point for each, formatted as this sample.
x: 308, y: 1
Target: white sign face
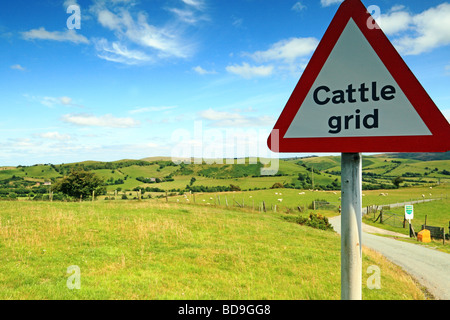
x: 409, y: 212
x: 355, y: 95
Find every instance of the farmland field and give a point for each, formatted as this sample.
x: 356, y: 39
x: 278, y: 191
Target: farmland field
x: 157, y: 250
x: 165, y: 230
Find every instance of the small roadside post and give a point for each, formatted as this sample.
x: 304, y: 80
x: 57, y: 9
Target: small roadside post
x: 409, y: 215
x: 357, y: 95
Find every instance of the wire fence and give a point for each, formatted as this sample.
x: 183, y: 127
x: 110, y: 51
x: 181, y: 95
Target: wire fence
x: 392, y: 219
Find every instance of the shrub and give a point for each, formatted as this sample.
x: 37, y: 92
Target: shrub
x: 234, y: 188
x: 277, y: 185
x: 315, y: 220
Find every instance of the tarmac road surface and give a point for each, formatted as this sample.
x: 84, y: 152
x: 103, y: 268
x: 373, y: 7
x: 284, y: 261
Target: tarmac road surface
x: 429, y: 267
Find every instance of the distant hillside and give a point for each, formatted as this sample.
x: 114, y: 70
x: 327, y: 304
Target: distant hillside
x: 427, y: 156
x: 161, y: 174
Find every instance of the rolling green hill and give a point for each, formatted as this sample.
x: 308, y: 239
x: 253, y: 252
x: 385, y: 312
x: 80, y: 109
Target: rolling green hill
x: 161, y: 174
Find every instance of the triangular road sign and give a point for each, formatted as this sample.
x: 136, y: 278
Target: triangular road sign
x: 358, y: 95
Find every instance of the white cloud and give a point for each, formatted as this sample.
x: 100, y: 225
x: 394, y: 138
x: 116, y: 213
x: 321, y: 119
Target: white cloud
x: 54, y: 136
x: 394, y: 22
x: 108, y: 19
x: 246, y: 71
x: 117, y: 52
x: 416, y: 34
x: 137, y: 40
x: 298, y: 6
x: 17, y: 67
x: 326, y: 3
x: 214, y: 115
x: 194, y: 3
x: 288, y: 50
x: 235, y: 120
x: 23, y: 143
x: 187, y: 15
x: 107, y: 120
x: 42, y: 34
x: 191, y: 13
x: 285, y: 55
x: 202, y: 71
x: 152, y: 109
x: 52, y: 101
x: 68, y: 3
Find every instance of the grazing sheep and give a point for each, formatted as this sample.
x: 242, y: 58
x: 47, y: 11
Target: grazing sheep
x: 279, y: 200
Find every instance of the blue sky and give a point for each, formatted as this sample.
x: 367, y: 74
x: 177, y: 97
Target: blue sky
x: 177, y: 77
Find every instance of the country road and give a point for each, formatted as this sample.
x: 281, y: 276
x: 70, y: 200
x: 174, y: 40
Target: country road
x: 429, y: 267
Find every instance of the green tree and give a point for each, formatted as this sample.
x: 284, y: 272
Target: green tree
x: 80, y: 183
x: 397, y: 181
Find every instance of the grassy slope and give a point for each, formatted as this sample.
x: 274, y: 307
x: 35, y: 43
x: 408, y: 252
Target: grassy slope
x: 154, y: 250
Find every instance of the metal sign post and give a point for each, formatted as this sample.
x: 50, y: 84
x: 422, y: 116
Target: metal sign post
x: 351, y: 203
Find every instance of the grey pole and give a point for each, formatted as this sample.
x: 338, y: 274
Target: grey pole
x: 351, y: 252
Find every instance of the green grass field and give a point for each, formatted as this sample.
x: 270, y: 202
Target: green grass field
x: 157, y: 250
x: 202, y: 245
x: 292, y: 198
